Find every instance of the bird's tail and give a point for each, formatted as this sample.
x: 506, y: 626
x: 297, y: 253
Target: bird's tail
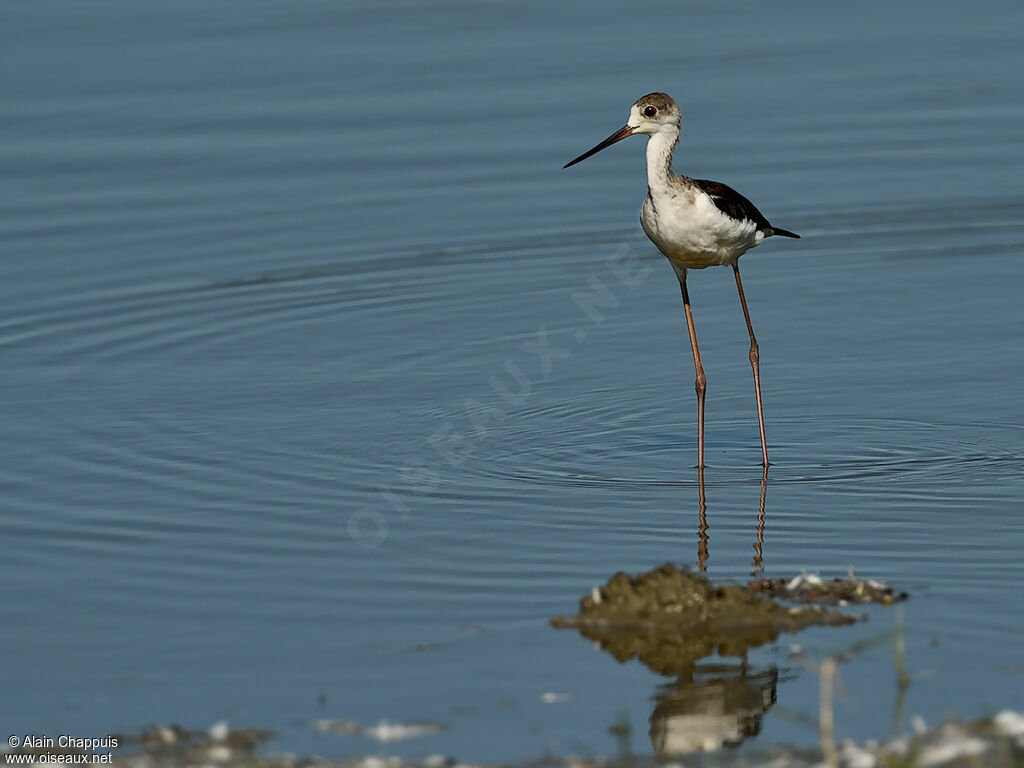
x: 784, y: 233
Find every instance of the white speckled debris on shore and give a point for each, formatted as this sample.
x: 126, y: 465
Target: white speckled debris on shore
x: 996, y: 742
x: 812, y: 588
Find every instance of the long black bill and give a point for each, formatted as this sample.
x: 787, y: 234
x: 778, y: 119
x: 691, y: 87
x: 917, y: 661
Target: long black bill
x: 623, y: 132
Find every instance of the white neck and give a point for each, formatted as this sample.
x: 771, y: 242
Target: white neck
x: 659, y: 158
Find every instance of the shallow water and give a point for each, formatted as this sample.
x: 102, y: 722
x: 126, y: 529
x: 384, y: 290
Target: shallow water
x: 277, y: 425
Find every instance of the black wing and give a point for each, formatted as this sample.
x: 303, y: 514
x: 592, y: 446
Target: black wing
x: 736, y: 206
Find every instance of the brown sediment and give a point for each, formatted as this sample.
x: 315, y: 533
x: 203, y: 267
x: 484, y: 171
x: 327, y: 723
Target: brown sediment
x: 670, y: 617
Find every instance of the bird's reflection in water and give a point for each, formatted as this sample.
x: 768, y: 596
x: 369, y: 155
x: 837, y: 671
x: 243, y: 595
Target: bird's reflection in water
x: 703, y: 539
x: 758, y: 564
x: 702, y: 528
x: 711, y: 706
x: 672, y: 619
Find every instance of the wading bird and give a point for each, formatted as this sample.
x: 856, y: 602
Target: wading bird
x: 695, y: 223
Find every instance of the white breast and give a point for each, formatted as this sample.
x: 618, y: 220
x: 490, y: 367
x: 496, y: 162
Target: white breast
x: 692, y: 232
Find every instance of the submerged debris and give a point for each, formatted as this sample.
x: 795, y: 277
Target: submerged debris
x: 990, y: 743
x: 176, y: 737
x: 553, y: 697
x: 811, y: 588
x: 174, y: 745
x: 670, y: 617
x: 383, y: 732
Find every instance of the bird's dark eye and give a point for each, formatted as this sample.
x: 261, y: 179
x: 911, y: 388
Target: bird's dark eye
x: 650, y: 111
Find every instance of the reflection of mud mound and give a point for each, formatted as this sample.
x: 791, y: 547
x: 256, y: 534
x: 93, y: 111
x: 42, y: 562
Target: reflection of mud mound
x: 669, y: 618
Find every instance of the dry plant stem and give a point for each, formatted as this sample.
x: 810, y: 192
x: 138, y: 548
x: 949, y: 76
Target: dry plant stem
x: 825, y: 723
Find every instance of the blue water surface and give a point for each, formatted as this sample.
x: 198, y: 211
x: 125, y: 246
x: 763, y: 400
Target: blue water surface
x: 278, y: 442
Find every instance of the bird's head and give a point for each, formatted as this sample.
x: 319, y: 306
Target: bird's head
x: 650, y: 115
x: 654, y: 113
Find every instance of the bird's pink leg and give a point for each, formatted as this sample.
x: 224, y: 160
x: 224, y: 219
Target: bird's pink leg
x: 753, y: 363
x: 701, y: 383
